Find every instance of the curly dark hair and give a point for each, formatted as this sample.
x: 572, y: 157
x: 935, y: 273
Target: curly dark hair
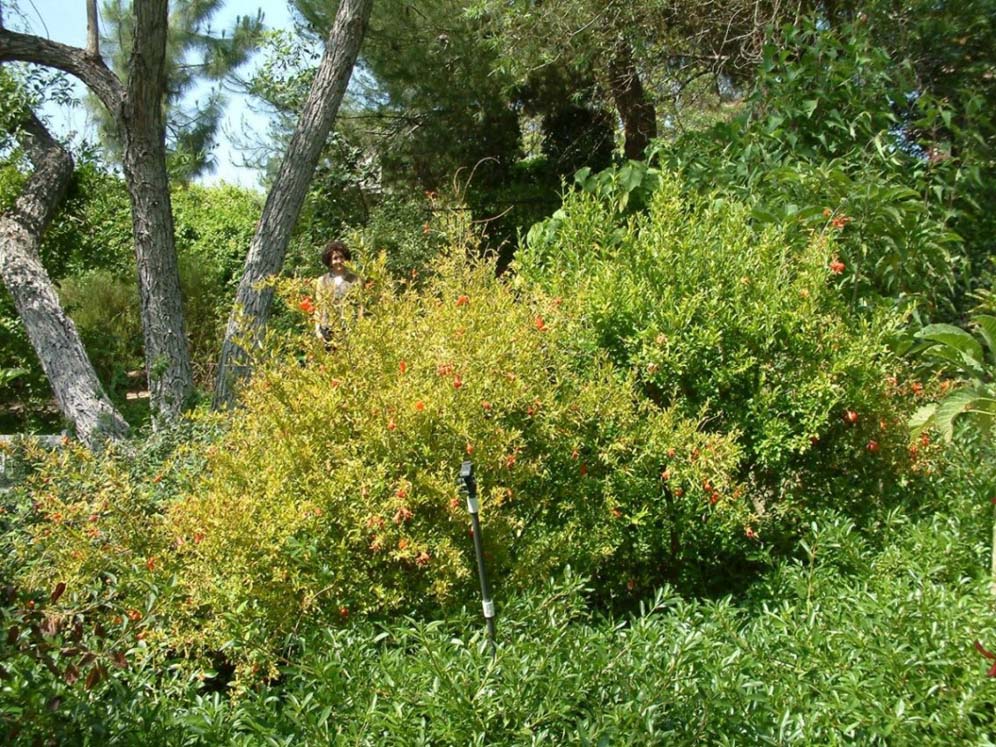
x: 335, y: 246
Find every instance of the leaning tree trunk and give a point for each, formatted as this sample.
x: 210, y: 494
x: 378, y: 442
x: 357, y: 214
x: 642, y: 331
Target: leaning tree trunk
x: 77, y: 389
x: 283, y: 203
x: 167, y: 355
x: 637, y: 112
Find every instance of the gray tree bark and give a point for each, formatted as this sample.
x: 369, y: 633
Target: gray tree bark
x: 138, y: 107
x: 167, y: 355
x: 53, y: 335
x: 283, y: 203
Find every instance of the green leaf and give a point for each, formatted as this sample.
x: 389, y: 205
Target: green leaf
x: 950, y: 408
x: 987, y: 331
x: 958, y: 339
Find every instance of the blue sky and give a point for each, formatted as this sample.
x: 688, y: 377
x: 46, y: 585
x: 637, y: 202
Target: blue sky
x: 65, y: 21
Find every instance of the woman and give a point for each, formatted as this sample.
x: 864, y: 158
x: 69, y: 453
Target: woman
x: 331, y: 290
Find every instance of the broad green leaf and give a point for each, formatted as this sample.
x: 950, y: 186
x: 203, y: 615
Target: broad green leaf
x: 955, y: 404
x: 954, y: 337
x: 987, y: 331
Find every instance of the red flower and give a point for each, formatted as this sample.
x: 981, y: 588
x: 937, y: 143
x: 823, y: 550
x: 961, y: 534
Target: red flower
x: 840, y: 221
x: 150, y: 563
x: 750, y: 533
x: 584, y: 469
x: 836, y: 266
x: 344, y: 612
x: 872, y: 446
x: 850, y: 417
x: 575, y: 454
x: 403, y: 367
x: 401, y: 493
x: 540, y: 324
x: 306, y: 305
x: 463, y: 300
x: 457, y: 382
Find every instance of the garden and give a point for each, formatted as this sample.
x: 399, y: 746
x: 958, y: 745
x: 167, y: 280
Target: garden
x: 729, y: 406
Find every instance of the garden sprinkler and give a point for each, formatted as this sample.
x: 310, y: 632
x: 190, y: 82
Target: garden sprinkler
x: 469, y: 485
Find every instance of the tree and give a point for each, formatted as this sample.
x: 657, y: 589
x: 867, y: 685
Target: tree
x: 193, y: 54
x: 136, y: 105
x: 52, y: 333
x: 642, y: 55
x: 286, y: 195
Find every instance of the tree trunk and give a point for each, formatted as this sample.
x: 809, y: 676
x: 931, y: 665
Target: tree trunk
x: 638, y: 115
x: 53, y: 335
x: 283, y: 203
x: 167, y: 356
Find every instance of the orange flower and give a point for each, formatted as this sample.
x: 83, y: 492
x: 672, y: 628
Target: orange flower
x: 134, y: 615
x: 198, y: 537
x: 827, y: 212
x: 486, y: 406
x: 470, y: 448
x: 420, y: 405
x: 750, y: 533
x: 575, y: 454
x: 344, y: 612
x: 403, y: 367
x: 425, y: 228
x: 510, y: 460
x: 836, y: 266
x: 401, y: 493
x: 422, y: 560
x: 540, y: 324
x: 402, y: 543
x: 391, y: 425
x: 306, y: 305
x: 840, y: 221
x: 463, y: 300
x: 457, y: 382
x: 402, y: 515
x: 150, y: 563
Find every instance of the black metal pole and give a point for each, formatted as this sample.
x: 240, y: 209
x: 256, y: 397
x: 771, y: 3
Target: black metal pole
x: 469, y: 485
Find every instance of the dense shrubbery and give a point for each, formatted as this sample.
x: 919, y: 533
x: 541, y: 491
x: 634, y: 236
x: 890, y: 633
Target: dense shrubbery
x: 735, y: 326
x: 852, y: 644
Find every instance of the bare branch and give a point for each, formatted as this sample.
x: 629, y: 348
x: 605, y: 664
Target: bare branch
x: 92, y: 71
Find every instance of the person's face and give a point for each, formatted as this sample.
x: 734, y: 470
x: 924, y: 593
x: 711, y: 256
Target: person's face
x: 337, y: 262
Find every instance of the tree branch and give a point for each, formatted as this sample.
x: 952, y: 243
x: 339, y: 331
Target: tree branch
x: 92, y: 29
x: 78, y: 62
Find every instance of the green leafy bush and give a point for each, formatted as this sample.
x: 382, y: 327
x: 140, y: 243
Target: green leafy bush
x: 732, y: 325
x: 852, y: 644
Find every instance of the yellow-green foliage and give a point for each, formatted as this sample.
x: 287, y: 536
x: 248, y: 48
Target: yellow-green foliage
x: 334, y: 491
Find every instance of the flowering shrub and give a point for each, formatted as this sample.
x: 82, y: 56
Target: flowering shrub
x: 334, y: 492
x: 730, y: 325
